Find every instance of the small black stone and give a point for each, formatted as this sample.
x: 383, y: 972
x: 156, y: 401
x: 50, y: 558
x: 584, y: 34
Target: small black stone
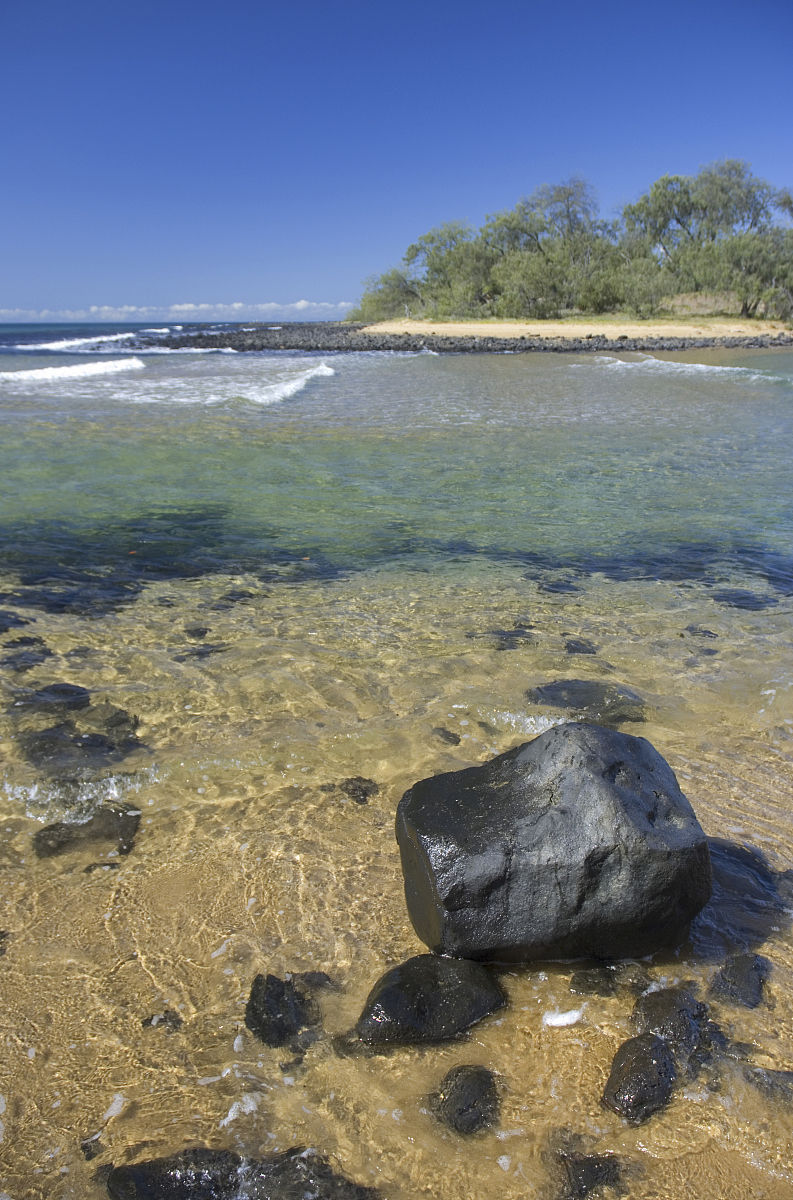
x: 467, y: 1099
x: 642, y: 1079
x: 278, y: 1009
x: 742, y: 980
x: 427, y: 999
x: 196, y: 631
x: 700, y: 631
x: 91, y: 1148
x: 358, y: 788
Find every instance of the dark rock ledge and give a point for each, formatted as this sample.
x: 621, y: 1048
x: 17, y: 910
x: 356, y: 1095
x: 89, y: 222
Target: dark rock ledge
x: 328, y: 336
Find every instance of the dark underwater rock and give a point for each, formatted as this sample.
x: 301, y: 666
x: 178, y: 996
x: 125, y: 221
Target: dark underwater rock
x: 57, y: 698
x: 169, y: 1020
x: 427, y: 999
x: 585, y: 1173
x: 447, y: 735
x: 742, y: 980
x: 608, y: 704
x: 677, y: 1017
x: 750, y: 902
x: 96, y: 736
x: 359, y: 789
x: 742, y: 598
x: 580, y: 646
x: 467, y: 1099
x: 113, y: 823
x: 643, y: 1077
x: 609, y: 979
x: 10, y: 620
x: 278, y: 1009
x: 577, y: 844
x: 203, y: 1174
x: 775, y: 1084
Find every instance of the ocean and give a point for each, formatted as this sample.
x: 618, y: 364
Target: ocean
x: 284, y: 587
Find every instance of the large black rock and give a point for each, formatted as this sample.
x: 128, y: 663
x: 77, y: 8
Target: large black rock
x: 202, y: 1174
x: 579, y: 843
x: 642, y: 1080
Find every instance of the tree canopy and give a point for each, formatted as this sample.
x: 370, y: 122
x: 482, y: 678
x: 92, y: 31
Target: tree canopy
x: 721, y: 231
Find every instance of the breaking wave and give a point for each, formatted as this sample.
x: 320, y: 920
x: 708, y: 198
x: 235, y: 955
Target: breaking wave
x: 81, y: 370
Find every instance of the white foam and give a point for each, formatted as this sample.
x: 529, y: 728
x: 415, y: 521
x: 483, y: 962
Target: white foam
x: 284, y: 388
x: 80, y: 371
x: 166, y: 329
x: 75, y: 343
x: 665, y: 366
x: 558, y: 1020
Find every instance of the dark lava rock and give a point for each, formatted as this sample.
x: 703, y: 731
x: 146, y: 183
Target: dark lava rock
x: 676, y: 1016
x: 742, y: 598
x: 467, y: 1099
x: 610, y: 979
x: 777, y: 1085
x: 196, y: 631
x: 427, y: 999
x: 642, y: 1079
x: 447, y: 735
x: 111, y: 823
x: 100, y: 736
x: 358, y: 788
x: 577, y: 844
x: 278, y: 1009
x: 200, y: 652
x: 26, y: 653
x: 91, y: 1148
x: 560, y: 587
x: 609, y: 704
x: 9, y: 620
x: 580, y: 646
x: 202, y: 1174
x: 742, y: 980
x: 58, y: 698
x: 585, y: 1173
x: 168, y: 1020
x: 4, y: 935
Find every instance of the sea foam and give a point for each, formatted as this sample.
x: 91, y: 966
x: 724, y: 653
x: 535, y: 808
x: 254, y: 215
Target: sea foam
x: 76, y: 343
x: 81, y: 370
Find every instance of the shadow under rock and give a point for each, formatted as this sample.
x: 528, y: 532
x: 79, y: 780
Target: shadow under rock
x: 750, y: 902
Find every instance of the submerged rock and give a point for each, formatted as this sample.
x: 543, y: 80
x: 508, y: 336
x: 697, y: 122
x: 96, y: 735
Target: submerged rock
x: 609, y: 704
x: 577, y: 844
x: 203, y: 1174
x: 586, y: 1173
x: 467, y: 1099
x: 677, y: 1017
x: 278, y: 1009
x: 94, y: 737
x: 112, y: 823
x: 643, y: 1077
x: 359, y: 789
x: 742, y: 980
x: 427, y: 999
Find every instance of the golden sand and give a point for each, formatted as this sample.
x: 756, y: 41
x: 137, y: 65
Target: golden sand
x: 710, y: 327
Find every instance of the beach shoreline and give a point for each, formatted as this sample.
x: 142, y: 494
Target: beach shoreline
x: 577, y: 336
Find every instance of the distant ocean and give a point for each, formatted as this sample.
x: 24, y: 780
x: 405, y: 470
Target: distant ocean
x: 275, y: 573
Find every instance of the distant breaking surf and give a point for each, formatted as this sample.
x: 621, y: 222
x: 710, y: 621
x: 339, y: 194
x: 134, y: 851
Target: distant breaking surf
x: 81, y: 370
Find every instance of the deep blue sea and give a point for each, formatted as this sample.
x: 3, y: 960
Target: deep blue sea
x: 274, y: 573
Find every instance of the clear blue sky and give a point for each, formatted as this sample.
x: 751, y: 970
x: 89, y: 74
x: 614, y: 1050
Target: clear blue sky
x: 185, y: 152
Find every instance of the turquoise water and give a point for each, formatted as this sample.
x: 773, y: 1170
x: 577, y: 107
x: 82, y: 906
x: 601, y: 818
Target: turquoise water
x: 276, y: 572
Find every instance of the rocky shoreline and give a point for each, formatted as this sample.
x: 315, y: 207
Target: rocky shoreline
x: 340, y: 336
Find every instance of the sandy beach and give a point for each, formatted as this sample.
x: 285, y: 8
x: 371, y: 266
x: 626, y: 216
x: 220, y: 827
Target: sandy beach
x: 612, y: 328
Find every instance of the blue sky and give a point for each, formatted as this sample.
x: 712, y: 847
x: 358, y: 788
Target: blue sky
x: 163, y: 156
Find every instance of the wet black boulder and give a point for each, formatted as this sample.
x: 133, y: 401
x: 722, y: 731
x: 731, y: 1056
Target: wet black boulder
x: 577, y: 844
x: 278, y: 1009
x: 677, y: 1017
x: 427, y: 999
x: 642, y: 1079
x: 203, y: 1174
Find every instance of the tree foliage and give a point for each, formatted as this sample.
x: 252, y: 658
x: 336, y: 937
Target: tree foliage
x: 722, y: 230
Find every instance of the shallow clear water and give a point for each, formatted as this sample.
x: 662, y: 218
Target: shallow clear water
x: 299, y: 569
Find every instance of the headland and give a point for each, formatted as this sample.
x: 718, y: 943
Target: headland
x: 577, y: 335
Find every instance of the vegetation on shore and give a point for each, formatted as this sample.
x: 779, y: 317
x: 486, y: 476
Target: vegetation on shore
x: 722, y: 231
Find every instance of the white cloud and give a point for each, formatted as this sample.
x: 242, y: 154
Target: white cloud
x: 185, y: 311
